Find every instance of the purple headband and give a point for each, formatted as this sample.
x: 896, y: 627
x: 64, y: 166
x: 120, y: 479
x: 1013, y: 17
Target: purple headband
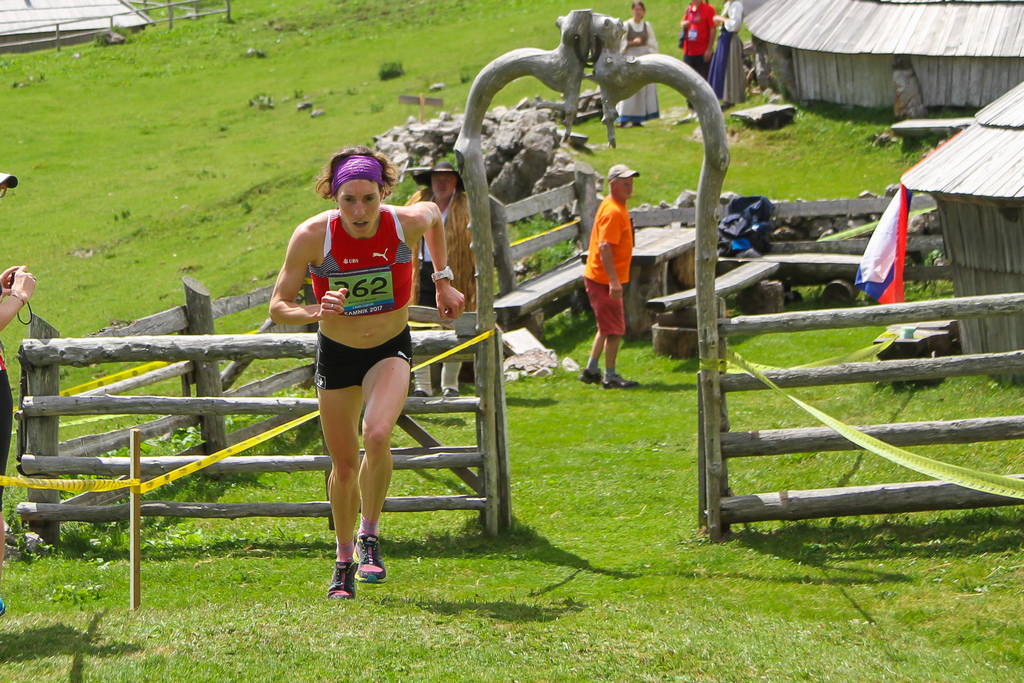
x: 356, y: 168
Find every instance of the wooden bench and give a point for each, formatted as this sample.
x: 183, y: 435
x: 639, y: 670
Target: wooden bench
x: 662, y: 261
x: 766, y: 115
x: 918, y: 128
x: 818, y: 269
x: 655, y: 253
x: 530, y: 301
x: 739, y: 278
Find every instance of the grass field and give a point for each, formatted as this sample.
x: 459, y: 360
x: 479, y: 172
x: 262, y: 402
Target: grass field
x: 144, y: 163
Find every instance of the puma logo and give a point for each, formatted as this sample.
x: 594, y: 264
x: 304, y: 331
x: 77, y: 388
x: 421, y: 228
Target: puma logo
x: 383, y: 256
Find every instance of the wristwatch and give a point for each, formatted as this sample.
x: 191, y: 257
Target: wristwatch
x: 444, y: 273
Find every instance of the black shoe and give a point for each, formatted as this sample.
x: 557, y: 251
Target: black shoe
x: 616, y: 382
x: 450, y: 393
x: 419, y: 393
x: 590, y: 376
x: 371, y: 564
x: 343, y: 583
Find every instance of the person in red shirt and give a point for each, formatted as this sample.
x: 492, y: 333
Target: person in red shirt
x: 359, y: 258
x: 607, y: 270
x: 697, y: 36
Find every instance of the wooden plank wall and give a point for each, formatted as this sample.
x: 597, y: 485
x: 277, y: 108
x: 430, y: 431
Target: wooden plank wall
x: 985, y: 244
x: 966, y: 81
x: 862, y: 80
x: 866, y: 80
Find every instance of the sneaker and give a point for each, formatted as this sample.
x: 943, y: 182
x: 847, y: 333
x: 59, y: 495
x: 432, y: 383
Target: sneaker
x: 450, y: 393
x: 590, y: 376
x: 617, y: 382
x: 371, y: 565
x: 3, y: 607
x: 343, y: 583
x: 419, y: 393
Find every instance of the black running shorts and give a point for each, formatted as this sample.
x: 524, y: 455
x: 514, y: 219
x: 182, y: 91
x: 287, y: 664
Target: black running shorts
x: 339, y: 366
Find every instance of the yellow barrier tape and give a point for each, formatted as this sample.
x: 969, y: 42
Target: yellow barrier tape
x: 192, y: 467
x: 441, y: 356
x: 72, y: 485
x: 124, y: 374
x: 539, y: 234
x: 858, y: 356
x: 996, y: 484
x: 116, y: 377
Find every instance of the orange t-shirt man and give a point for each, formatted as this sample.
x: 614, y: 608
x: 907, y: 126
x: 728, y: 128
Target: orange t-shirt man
x: 612, y: 226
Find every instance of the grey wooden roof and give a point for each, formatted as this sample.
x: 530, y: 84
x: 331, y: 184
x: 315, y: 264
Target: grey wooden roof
x: 986, y: 160
x: 960, y: 28
x: 22, y: 17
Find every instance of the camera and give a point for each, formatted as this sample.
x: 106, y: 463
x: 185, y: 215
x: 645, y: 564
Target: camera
x: 7, y: 181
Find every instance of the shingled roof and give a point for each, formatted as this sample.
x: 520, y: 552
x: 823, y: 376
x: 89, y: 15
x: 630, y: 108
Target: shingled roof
x: 953, y: 28
x: 985, y: 160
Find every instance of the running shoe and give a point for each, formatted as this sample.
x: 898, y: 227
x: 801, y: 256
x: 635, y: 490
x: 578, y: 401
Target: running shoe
x: 450, y: 393
x: 617, y: 382
x: 3, y: 607
x: 590, y: 376
x: 371, y: 565
x: 343, y: 583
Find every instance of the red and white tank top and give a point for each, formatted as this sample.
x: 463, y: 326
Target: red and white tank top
x: 377, y: 271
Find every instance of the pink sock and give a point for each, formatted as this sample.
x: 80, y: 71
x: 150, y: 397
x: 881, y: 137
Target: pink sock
x: 366, y: 527
x: 345, y: 551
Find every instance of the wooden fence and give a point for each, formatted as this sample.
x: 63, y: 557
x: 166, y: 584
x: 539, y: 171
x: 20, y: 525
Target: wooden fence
x: 662, y: 276
x: 195, y: 355
x: 719, y: 506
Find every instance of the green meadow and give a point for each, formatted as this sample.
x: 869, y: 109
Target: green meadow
x: 143, y: 163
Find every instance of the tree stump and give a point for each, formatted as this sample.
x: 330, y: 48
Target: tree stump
x: 767, y: 296
x: 839, y: 293
x: 674, y: 342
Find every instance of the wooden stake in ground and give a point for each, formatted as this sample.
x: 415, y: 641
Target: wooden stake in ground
x: 135, y: 522
x: 422, y: 101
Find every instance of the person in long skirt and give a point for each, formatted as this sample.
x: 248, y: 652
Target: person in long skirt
x: 727, y: 77
x: 639, y: 40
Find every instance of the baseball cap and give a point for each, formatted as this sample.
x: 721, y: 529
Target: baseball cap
x: 621, y: 171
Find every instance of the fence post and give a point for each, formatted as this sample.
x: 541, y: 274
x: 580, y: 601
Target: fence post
x: 586, y: 200
x: 227, y: 6
x: 170, y: 16
x: 502, y: 253
x: 199, y: 313
x: 56, y: 36
x: 39, y: 435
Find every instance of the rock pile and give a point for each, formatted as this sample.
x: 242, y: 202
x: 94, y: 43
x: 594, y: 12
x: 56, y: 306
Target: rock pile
x: 521, y: 147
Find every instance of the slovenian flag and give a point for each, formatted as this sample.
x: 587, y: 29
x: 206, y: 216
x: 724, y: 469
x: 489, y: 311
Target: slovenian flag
x: 880, y: 273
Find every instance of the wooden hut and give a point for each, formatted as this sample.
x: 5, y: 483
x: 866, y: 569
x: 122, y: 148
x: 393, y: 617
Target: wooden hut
x: 27, y: 25
x: 872, y: 53
x: 977, y: 180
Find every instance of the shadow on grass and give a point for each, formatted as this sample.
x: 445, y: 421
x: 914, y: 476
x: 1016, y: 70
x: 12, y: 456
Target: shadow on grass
x: 530, y: 402
x: 663, y: 387
x: 499, y: 610
x: 56, y: 641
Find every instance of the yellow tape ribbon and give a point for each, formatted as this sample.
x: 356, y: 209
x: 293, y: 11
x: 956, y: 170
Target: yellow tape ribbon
x: 997, y: 484
x: 116, y: 377
x: 72, y: 485
x: 479, y: 338
x: 192, y: 467
x: 541, y: 234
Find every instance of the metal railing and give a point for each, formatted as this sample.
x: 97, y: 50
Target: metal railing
x: 57, y: 33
